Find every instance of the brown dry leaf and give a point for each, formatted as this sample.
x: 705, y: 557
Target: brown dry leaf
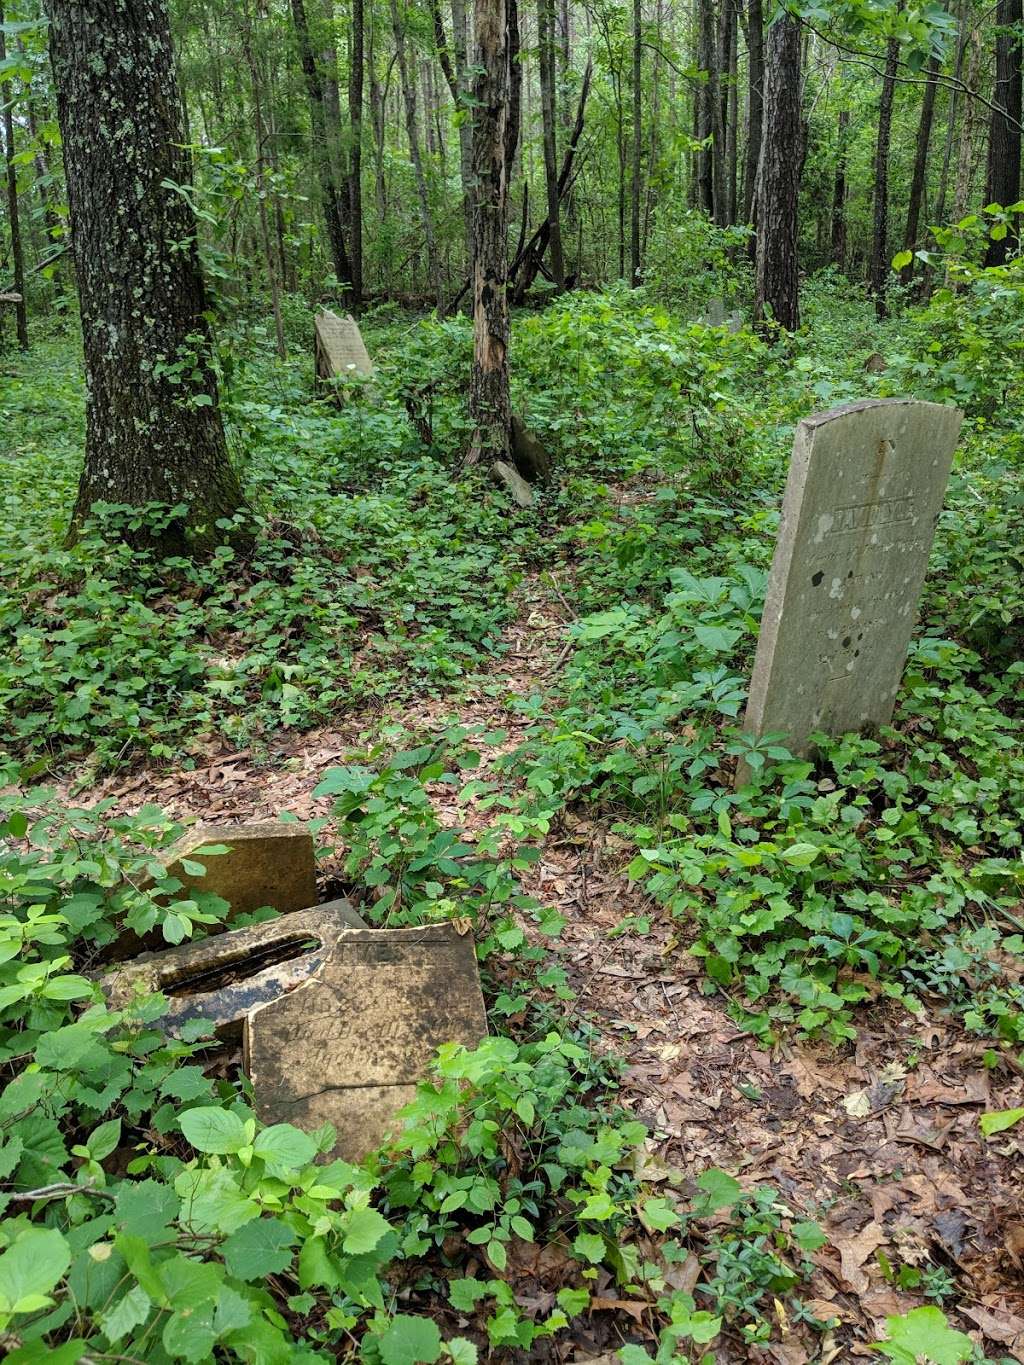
x: 635, y: 1309
x: 1004, y: 1327
x: 683, y: 1277
x: 855, y: 1250
x: 1013, y: 1240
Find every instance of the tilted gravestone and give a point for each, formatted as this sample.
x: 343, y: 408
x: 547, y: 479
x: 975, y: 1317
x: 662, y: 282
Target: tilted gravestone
x: 865, y: 489
x: 340, y: 350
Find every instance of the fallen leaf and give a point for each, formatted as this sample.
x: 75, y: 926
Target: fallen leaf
x: 858, y: 1104
x: 854, y: 1251
x: 1003, y: 1327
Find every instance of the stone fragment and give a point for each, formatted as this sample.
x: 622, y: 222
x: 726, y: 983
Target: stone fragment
x: 865, y: 489
x: 531, y: 460
x: 340, y: 351
x: 521, y: 491
x: 875, y: 363
x: 272, y: 863
x: 223, y: 977
x: 714, y: 313
x: 349, y: 1044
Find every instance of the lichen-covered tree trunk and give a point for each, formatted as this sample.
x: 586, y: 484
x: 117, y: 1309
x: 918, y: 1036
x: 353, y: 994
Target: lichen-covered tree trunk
x: 490, y: 406
x: 154, y: 431
x: 880, y: 234
x: 777, y: 290
x: 1003, y: 184
x: 17, y: 251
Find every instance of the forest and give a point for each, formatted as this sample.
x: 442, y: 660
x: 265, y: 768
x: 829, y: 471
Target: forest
x: 512, y: 650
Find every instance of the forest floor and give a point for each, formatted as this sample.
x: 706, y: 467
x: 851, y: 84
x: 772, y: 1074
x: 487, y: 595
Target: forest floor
x: 879, y: 1141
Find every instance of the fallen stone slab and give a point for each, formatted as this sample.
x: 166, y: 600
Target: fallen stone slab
x: 348, y: 1046
x: 223, y: 977
x: 521, y: 491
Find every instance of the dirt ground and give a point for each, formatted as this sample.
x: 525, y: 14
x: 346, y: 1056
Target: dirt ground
x: 879, y: 1142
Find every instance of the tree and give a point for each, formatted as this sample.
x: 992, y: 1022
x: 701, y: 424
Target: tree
x: 777, y: 287
x: 917, y: 181
x: 153, y: 427
x: 838, y: 232
x: 1003, y: 185
x: 880, y: 217
x: 548, y: 103
x: 490, y: 404
x: 17, y: 251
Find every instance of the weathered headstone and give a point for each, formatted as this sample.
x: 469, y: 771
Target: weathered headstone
x: 223, y: 977
x: 865, y: 490
x: 272, y: 863
x: 517, y: 486
x: 349, y: 1044
x: 340, y: 350
x: 714, y: 313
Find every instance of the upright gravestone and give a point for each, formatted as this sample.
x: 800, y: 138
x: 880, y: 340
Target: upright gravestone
x: 340, y: 350
x: 865, y: 490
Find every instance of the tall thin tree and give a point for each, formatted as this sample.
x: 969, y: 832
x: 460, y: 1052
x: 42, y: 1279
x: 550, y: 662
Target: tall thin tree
x: 777, y: 284
x: 548, y: 106
x: 13, y: 216
x: 920, y: 173
x: 490, y: 403
x: 153, y: 425
x: 880, y: 214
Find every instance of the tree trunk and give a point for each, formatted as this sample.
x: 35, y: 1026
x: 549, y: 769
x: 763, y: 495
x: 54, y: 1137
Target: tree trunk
x: 777, y: 290
x: 954, y: 95
x: 880, y: 217
x: 635, y: 188
x: 415, y: 155
x: 460, y: 42
x: 546, y: 61
x: 919, y: 177
x: 256, y: 84
x: 17, y: 251
x: 732, y: 116
x: 330, y: 197
x: 489, y: 401
x: 355, y: 160
x: 755, y: 104
x: 153, y: 429
x: 1004, y: 133
x: 707, y: 98
x: 839, y: 193
x: 967, y: 158
x: 514, y: 122
x: 720, y: 160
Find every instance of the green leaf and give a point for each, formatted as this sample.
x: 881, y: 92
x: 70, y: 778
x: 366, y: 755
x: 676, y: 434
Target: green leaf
x: 214, y: 1130
x: 465, y: 1294
x: 924, y: 1334
x: 590, y: 1247
x: 1000, y: 1120
x: 800, y: 855
x: 29, y: 1269
x: 190, y: 1336
x: 901, y: 259
x: 146, y: 1208
x: 410, y: 1341
x: 285, y: 1147
x: 364, y: 1229
x: 104, y: 1139
x: 717, y: 638
x: 129, y: 1312
x: 462, y: 1352
x: 261, y: 1247
x: 720, y: 1190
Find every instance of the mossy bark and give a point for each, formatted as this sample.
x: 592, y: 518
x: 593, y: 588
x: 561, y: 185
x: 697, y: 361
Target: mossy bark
x: 153, y: 428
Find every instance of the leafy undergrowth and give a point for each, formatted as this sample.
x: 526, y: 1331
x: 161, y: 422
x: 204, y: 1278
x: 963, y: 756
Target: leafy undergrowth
x: 148, y: 1215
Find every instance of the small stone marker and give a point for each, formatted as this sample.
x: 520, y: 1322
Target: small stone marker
x: 223, y: 977
x: 865, y: 489
x: 714, y: 314
x: 340, y: 351
x: 349, y: 1044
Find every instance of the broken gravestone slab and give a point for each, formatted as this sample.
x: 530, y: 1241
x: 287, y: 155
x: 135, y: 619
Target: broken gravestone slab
x: 865, y: 489
x: 714, y: 313
x: 340, y: 351
x: 223, y: 977
x: 520, y: 490
x: 348, y: 1046
x: 272, y: 863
